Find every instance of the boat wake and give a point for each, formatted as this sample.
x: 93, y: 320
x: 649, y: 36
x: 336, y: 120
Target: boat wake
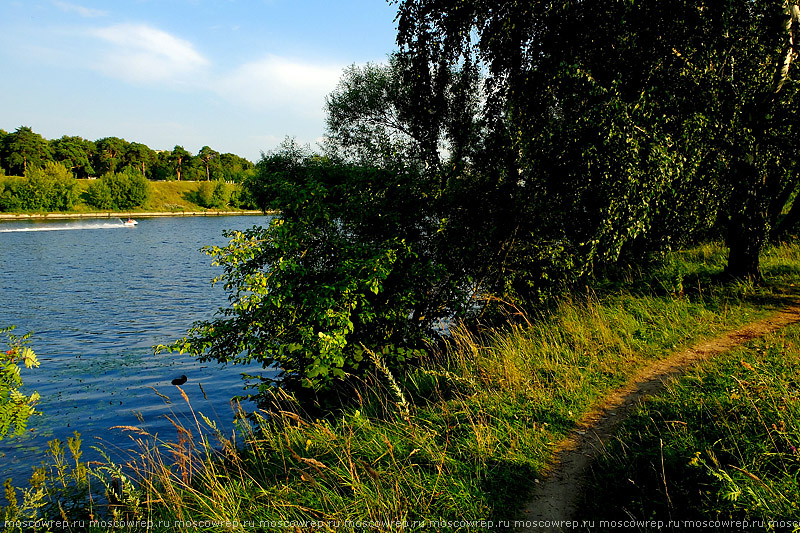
x: 83, y: 225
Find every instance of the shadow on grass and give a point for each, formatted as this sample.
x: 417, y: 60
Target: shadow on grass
x: 506, y: 486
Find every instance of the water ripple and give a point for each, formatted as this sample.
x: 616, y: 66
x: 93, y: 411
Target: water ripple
x: 97, y: 301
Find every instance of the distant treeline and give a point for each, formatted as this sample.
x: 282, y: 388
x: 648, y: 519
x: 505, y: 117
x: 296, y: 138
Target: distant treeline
x: 54, y: 188
x: 25, y: 149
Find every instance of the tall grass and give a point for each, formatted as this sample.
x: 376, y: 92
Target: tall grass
x: 462, y: 436
x: 722, y: 443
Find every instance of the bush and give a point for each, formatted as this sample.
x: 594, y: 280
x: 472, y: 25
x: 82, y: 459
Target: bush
x: 351, y: 263
x: 10, y: 196
x: 99, y: 194
x: 211, y: 194
x: 119, y: 190
x: 52, y: 188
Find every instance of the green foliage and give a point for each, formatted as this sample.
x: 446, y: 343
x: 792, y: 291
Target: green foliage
x: 722, y: 443
x: 241, y: 197
x: 349, y: 262
x: 211, y: 194
x: 15, y: 407
x: 234, y: 169
x: 10, y: 194
x: 23, y: 150
x: 110, y: 153
x: 75, y: 153
x: 119, y: 190
x: 179, y: 159
x: 208, y: 158
x: 52, y: 188
x: 652, y: 123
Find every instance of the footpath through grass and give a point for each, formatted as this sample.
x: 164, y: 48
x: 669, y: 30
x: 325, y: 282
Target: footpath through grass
x: 458, y: 441
x: 720, y: 447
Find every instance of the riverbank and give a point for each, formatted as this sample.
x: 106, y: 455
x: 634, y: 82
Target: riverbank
x: 125, y: 214
x: 164, y: 199
x: 465, y: 435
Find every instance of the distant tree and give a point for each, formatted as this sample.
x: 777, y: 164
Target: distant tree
x: 75, y: 153
x: 23, y: 149
x: 234, y: 168
x: 179, y: 158
x: 206, y: 155
x: 161, y: 169
x: 139, y: 156
x: 110, y: 153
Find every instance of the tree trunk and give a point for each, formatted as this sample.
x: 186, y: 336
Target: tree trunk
x: 745, y: 238
x: 747, y: 229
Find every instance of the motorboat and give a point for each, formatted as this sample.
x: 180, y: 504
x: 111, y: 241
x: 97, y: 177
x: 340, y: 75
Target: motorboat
x: 129, y: 222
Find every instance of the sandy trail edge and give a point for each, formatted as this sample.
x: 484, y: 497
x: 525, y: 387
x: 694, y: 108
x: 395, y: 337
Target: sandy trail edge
x: 556, y: 497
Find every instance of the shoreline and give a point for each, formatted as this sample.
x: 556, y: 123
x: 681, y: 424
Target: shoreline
x: 126, y: 214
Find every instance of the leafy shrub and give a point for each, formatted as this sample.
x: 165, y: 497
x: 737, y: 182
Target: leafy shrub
x: 119, y: 190
x: 99, y: 195
x: 51, y: 188
x: 15, y: 407
x: 241, y: 198
x: 10, y: 197
x: 350, y: 264
x: 211, y: 194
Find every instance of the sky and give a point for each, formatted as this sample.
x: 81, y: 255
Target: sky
x: 237, y: 75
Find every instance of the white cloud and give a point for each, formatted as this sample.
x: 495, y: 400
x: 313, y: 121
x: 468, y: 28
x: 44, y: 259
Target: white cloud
x: 279, y: 83
x: 80, y: 10
x: 140, y: 53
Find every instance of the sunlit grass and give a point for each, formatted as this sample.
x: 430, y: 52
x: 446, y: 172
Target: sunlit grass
x: 466, y: 432
x: 721, y: 443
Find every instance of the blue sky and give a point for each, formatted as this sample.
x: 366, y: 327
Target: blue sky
x: 236, y: 75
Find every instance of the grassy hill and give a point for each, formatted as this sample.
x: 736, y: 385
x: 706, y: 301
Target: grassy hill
x: 164, y: 196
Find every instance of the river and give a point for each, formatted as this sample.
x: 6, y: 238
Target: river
x: 98, y: 296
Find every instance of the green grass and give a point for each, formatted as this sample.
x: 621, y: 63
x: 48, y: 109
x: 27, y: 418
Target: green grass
x: 721, y: 444
x: 465, y: 434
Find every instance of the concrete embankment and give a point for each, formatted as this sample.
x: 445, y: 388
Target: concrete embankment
x: 127, y: 214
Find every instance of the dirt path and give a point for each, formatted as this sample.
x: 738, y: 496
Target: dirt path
x: 556, y: 497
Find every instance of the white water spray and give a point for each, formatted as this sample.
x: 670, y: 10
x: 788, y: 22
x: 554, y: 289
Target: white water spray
x: 82, y: 225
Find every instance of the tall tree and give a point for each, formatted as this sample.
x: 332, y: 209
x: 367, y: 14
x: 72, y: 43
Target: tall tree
x: 367, y: 116
x: 609, y: 108
x: 75, y: 153
x: 179, y: 158
x: 110, y: 153
x: 24, y: 149
x: 234, y: 168
x: 207, y: 155
x: 139, y: 156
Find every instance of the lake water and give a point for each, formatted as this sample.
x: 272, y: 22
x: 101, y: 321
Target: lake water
x: 98, y: 296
